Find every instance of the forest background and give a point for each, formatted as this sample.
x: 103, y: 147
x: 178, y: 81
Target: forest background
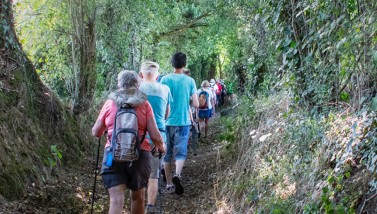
x: 303, y: 132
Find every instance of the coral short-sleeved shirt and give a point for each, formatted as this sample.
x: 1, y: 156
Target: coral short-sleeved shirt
x: 107, y: 115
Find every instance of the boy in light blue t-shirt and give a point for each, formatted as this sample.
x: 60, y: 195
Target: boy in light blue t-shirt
x: 178, y: 124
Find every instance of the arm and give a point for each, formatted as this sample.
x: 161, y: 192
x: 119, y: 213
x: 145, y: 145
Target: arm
x: 195, y: 101
x: 192, y: 119
x: 167, y: 113
x: 98, y: 128
x: 155, y: 135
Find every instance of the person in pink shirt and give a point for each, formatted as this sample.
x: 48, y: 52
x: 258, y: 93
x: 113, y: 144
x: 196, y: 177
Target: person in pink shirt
x: 120, y: 176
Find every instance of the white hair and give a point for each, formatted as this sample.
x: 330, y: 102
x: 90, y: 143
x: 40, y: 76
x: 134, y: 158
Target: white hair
x: 127, y: 79
x: 149, y: 68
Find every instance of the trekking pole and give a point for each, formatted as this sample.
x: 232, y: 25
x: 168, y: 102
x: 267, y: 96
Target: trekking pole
x: 159, y: 185
x: 95, y: 175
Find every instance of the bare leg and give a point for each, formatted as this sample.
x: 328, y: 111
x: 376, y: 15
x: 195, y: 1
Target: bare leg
x: 206, y: 127
x: 167, y: 167
x: 116, y: 199
x: 179, y: 166
x: 137, y: 201
x: 152, y: 190
x: 201, y: 124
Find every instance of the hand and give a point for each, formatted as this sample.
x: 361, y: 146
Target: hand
x: 157, y: 151
x: 162, y: 150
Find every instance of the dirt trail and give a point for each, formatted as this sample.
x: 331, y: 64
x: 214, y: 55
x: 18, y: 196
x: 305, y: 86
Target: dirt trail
x: 69, y: 191
x: 198, y: 178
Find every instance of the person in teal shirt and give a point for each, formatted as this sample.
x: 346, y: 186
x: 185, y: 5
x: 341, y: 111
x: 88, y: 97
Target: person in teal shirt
x: 182, y: 88
x: 160, y: 98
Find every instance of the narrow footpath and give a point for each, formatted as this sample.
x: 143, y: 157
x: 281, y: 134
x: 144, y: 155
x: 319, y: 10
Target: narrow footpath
x: 198, y: 180
x: 70, y: 191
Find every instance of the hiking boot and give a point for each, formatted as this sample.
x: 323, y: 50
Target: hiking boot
x: 168, y: 190
x: 150, y: 209
x: 178, y: 185
x: 163, y: 175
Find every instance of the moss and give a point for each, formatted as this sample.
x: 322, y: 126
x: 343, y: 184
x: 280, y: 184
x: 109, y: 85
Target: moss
x: 8, y: 99
x: 17, y: 78
x: 12, y: 181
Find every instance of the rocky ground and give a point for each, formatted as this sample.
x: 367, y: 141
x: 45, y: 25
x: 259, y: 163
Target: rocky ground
x: 70, y: 191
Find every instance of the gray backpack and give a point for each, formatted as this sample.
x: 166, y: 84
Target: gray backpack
x: 125, y: 142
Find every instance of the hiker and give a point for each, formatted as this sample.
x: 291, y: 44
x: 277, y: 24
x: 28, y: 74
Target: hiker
x: 194, y: 130
x: 213, y: 88
x: 223, y: 92
x: 206, y: 104
x: 160, y: 98
x: 182, y: 88
x: 218, y: 93
x: 122, y: 175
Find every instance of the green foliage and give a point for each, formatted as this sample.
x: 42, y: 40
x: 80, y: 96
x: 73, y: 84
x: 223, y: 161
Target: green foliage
x: 229, y: 134
x: 329, y: 202
x: 43, y: 30
x: 363, y: 141
x: 56, y: 156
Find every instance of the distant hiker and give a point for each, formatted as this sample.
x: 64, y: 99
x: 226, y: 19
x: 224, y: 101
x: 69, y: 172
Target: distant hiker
x: 160, y: 98
x: 193, y: 139
x: 159, y: 78
x: 194, y: 130
x: 214, y: 89
x: 205, y: 106
x: 178, y: 123
x: 223, y: 92
x: 121, y: 175
x: 218, y: 93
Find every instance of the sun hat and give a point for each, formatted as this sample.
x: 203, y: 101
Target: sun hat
x: 212, y: 81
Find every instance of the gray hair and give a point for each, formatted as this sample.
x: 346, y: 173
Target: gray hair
x: 205, y: 83
x: 149, y: 68
x: 127, y: 79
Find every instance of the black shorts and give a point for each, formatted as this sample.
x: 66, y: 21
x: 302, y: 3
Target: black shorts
x: 134, y: 176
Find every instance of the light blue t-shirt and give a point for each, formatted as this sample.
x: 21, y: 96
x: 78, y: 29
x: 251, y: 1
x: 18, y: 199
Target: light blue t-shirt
x: 182, y: 87
x: 159, y: 97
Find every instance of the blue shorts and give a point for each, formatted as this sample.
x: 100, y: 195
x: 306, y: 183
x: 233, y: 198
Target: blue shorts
x: 177, y: 138
x: 205, y: 113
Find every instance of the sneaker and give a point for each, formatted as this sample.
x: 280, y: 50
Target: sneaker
x: 150, y: 209
x: 168, y: 190
x: 178, y: 185
x: 163, y: 175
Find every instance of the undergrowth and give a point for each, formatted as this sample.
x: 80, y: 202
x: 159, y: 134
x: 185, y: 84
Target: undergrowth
x: 293, y: 161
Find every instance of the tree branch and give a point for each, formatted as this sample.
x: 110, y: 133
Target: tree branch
x: 192, y: 24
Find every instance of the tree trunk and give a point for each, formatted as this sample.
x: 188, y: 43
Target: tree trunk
x: 212, y: 67
x: 83, y: 55
x: 31, y: 116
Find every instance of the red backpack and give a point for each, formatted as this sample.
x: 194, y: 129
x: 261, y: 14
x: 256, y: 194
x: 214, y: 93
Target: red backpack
x: 219, y: 88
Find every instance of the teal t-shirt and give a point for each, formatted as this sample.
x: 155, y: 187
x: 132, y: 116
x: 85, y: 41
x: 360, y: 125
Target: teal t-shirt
x: 182, y: 87
x: 159, y: 97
